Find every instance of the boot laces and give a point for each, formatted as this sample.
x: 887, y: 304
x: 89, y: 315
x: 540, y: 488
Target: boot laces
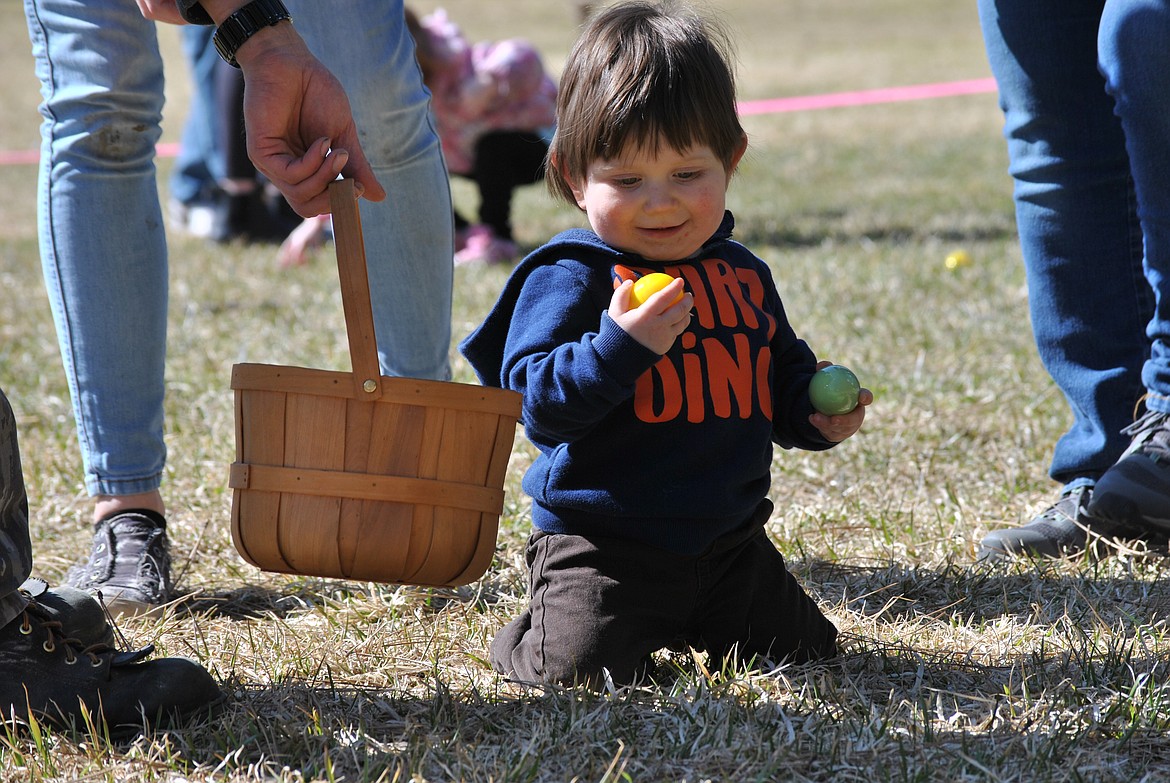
x: 1151, y: 435
x: 55, y: 636
x: 74, y: 648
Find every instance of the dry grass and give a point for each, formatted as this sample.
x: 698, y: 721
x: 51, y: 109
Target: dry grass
x: 949, y: 671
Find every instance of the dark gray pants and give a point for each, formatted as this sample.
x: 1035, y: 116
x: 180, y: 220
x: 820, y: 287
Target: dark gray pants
x: 604, y: 603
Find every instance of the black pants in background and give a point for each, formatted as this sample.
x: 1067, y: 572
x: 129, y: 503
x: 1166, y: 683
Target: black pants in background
x: 504, y: 161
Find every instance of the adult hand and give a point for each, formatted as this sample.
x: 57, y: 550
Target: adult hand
x: 301, y: 132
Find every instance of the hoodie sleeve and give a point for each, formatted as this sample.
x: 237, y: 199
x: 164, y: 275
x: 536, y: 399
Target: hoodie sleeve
x: 572, y: 363
x: 793, y: 366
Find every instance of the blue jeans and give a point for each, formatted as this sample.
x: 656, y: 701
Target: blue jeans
x: 103, y: 246
x: 198, y: 166
x: 1083, y: 85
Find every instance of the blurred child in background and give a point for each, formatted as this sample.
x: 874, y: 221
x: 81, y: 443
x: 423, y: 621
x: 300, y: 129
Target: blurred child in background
x: 494, y: 106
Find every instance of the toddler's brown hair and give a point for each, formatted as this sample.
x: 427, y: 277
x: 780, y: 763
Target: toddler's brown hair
x: 640, y: 75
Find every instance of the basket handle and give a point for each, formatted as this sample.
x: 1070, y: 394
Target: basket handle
x: 355, y: 290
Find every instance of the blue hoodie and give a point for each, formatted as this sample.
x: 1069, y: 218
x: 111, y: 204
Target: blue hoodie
x: 674, y: 450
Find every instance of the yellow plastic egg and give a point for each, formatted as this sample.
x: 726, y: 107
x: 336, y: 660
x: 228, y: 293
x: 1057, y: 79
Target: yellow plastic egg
x: 648, y: 285
x: 958, y: 258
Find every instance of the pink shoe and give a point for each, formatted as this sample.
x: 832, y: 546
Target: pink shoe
x: 461, y: 235
x: 484, y: 247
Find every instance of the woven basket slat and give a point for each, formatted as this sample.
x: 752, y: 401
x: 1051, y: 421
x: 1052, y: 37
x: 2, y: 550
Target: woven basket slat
x: 264, y: 411
x: 395, y: 431
x: 430, y: 447
x: 478, y: 562
x: 462, y: 436
x: 310, y: 483
x: 454, y: 536
x: 381, y: 530
x: 422, y: 526
x: 405, y: 391
x: 501, y: 452
x: 314, y: 438
x: 360, y: 450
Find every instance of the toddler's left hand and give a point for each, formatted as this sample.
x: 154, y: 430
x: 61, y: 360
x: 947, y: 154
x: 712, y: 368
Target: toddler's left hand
x: 838, y: 428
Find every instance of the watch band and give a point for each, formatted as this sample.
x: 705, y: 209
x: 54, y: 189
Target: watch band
x: 193, y: 12
x: 244, y: 23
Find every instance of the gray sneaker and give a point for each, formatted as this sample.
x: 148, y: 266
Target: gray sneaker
x: 53, y: 678
x: 1136, y: 490
x: 1065, y: 529
x: 129, y: 564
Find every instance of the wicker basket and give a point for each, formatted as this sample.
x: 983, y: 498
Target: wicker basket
x: 363, y: 477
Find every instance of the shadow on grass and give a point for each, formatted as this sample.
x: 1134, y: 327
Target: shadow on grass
x: 1076, y: 694
x: 1090, y: 594
x: 280, y: 598
x: 874, y: 707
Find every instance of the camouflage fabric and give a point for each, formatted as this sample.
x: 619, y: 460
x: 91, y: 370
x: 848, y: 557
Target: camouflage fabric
x: 15, y: 546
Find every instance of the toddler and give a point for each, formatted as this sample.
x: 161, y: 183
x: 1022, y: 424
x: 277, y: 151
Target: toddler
x: 655, y: 424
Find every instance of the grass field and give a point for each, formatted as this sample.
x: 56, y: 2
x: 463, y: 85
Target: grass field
x: 949, y: 671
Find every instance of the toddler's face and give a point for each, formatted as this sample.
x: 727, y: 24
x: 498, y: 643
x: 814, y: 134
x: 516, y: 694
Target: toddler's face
x: 662, y: 207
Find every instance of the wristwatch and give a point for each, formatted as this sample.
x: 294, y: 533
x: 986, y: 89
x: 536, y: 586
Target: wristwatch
x: 244, y: 23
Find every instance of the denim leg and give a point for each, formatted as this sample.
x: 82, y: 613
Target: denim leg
x: 409, y: 236
x: 1134, y: 51
x: 199, y: 165
x: 1077, y: 219
x: 102, y: 241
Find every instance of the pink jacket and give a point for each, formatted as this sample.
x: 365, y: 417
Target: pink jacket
x: 484, y: 87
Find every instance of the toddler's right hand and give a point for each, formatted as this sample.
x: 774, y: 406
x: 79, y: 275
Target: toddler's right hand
x: 657, y: 323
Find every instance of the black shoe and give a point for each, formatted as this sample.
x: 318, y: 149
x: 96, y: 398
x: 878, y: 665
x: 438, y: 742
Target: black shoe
x: 260, y: 216
x: 1065, y: 529
x: 129, y: 564
x: 78, y: 614
x: 1136, y: 490
x: 54, y: 678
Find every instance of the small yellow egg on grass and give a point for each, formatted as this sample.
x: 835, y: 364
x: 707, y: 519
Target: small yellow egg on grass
x: 958, y: 258
x: 648, y: 285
